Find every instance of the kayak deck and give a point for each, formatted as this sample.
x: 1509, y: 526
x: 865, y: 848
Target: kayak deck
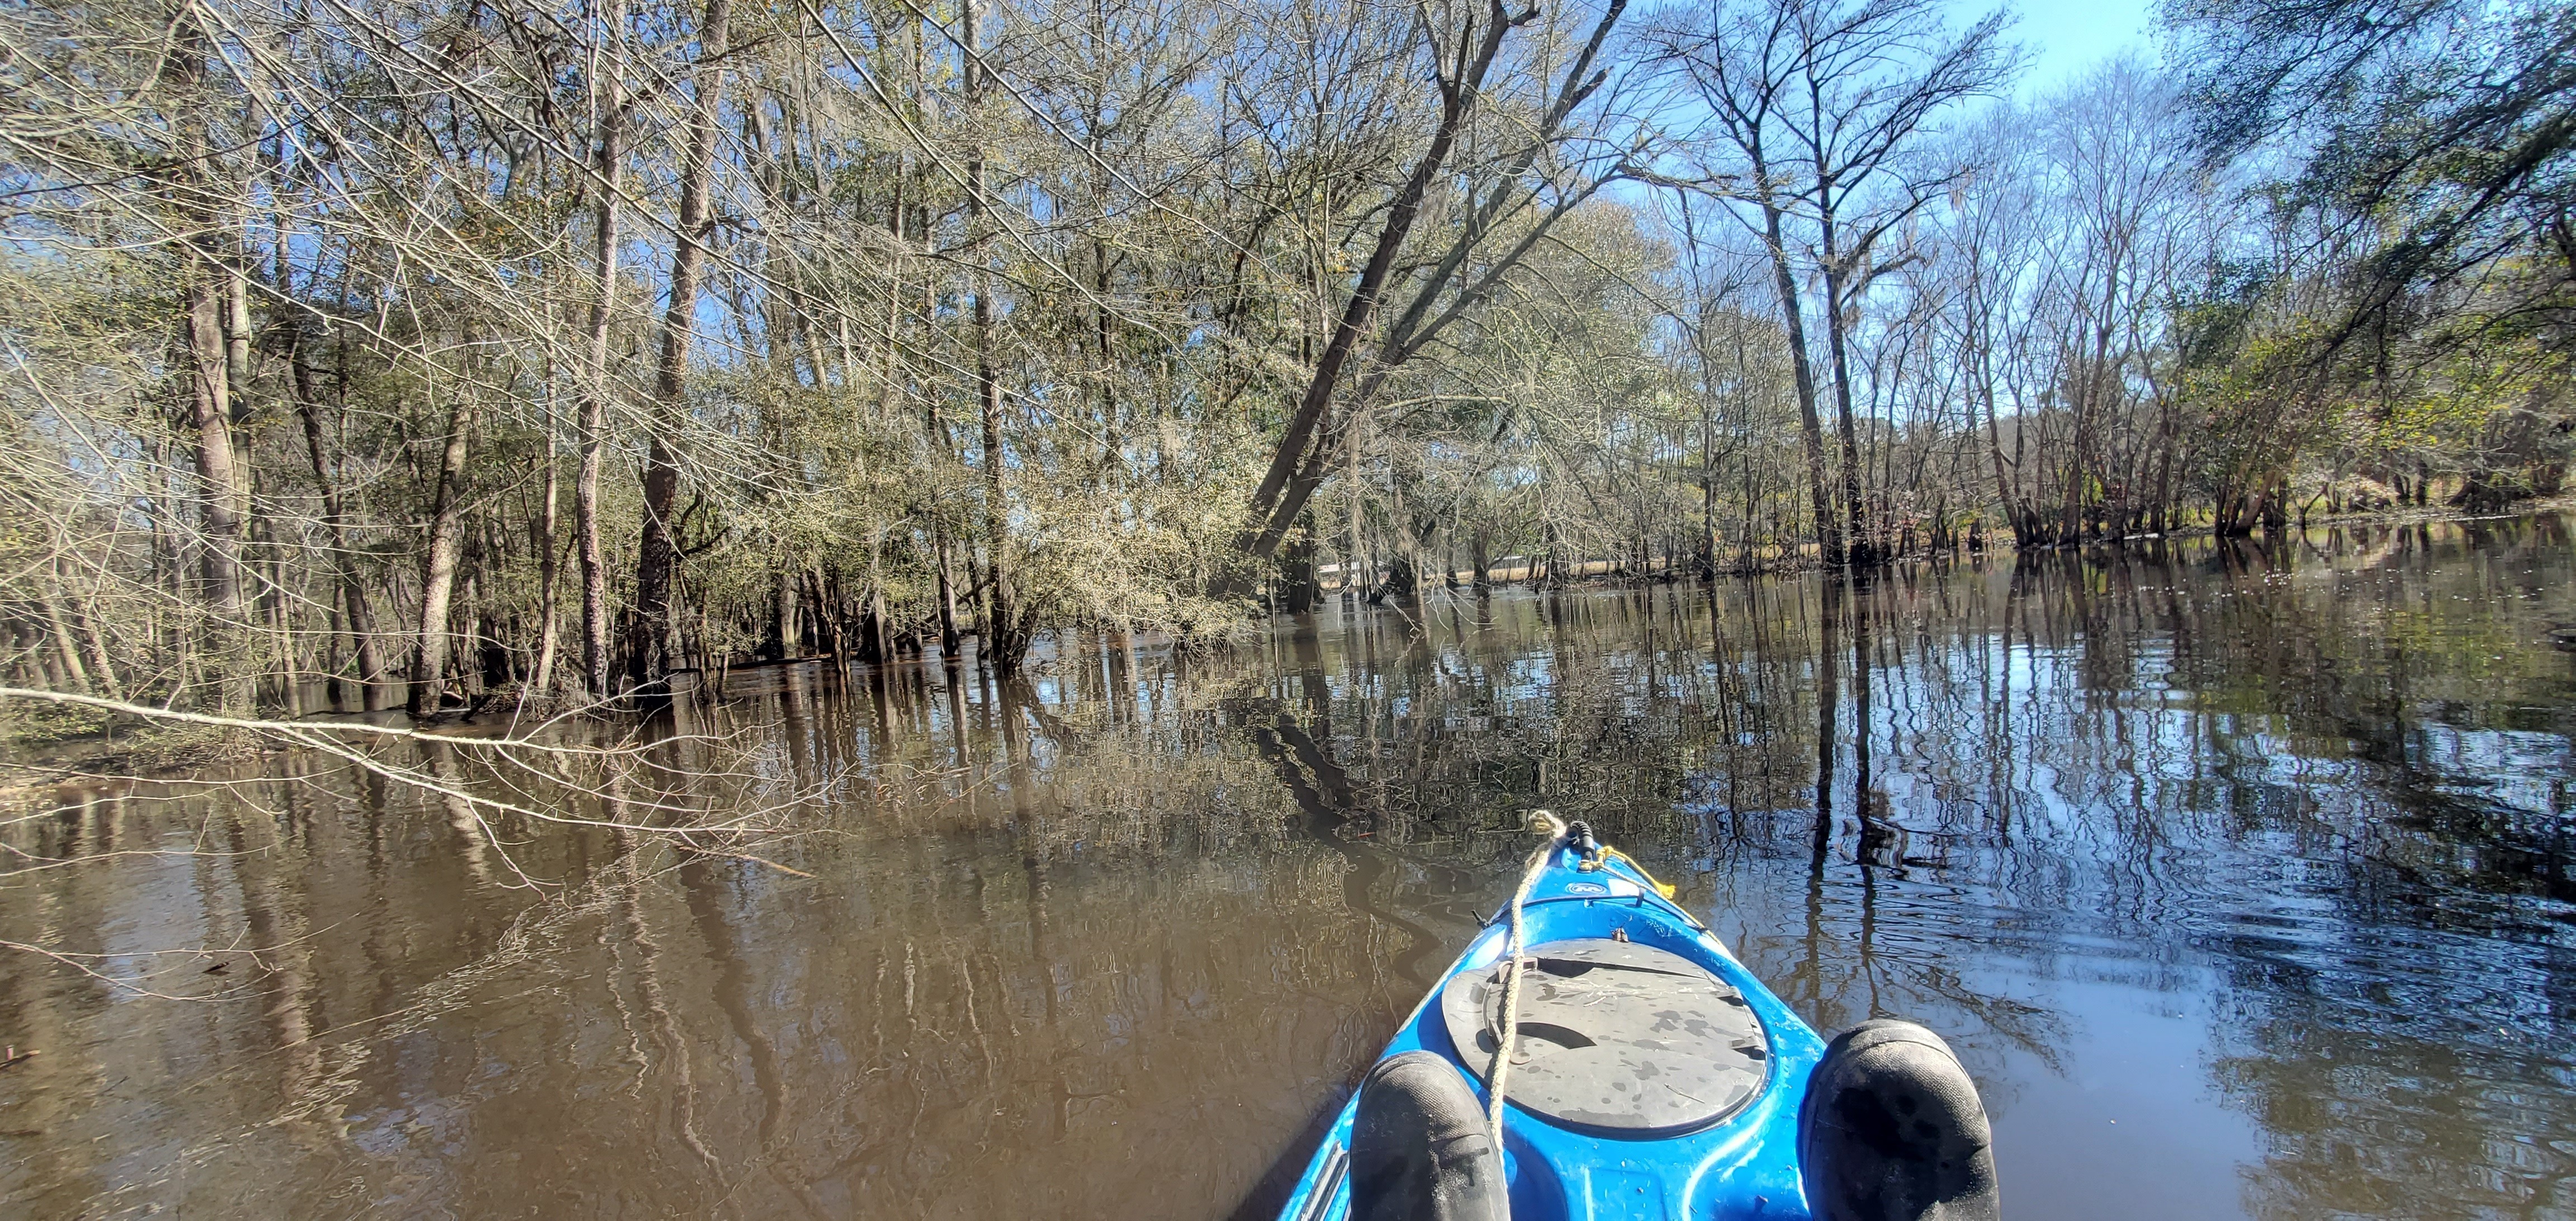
x: 1701, y: 1124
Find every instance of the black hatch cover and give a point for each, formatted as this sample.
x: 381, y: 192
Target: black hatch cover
x: 1614, y: 1035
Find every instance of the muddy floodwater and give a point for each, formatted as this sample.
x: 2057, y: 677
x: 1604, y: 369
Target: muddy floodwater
x: 2239, y: 876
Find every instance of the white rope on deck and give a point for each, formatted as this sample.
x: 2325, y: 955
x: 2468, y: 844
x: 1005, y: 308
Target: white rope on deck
x: 1546, y: 823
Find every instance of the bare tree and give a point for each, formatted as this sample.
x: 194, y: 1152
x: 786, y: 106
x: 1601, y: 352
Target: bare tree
x: 1463, y: 53
x: 1819, y: 103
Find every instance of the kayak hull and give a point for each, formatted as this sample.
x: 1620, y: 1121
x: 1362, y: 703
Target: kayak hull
x: 1744, y: 1165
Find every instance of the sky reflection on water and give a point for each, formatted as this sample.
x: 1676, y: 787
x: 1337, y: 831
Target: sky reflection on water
x: 2241, y: 878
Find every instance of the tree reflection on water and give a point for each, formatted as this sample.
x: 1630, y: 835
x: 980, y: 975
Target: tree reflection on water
x: 2239, y: 876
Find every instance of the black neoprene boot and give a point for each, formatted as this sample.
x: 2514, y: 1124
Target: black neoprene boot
x: 1419, y: 1148
x: 1893, y: 1130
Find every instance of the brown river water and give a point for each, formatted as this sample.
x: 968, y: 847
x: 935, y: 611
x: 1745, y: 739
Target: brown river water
x: 2240, y: 878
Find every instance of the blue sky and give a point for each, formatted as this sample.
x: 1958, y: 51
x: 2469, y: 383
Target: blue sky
x: 2067, y: 36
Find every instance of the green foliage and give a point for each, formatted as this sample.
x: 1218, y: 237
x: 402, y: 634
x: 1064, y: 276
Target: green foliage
x: 1031, y: 333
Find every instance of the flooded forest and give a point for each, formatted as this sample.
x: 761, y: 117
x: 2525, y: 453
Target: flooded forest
x: 2240, y: 877
x: 949, y: 608
x: 485, y: 356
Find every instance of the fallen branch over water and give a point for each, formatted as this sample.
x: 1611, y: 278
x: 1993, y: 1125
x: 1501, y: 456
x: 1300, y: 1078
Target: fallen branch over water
x: 712, y: 795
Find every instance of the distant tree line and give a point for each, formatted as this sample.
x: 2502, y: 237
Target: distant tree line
x: 463, y: 350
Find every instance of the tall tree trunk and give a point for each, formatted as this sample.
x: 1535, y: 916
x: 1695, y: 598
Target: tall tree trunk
x: 2004, y: 494
x: 609, y: 140
x: 1707, y: 558
x: 658, y: 554
x: 335, y: 520
x: 438, y: 567
x: 949, y: 638
x: 1005, y: 642
x: 1858, y: 547
x: 221, y: 487
x: 542, y: 535
x: 1792, y: 318
x: 1005, y: 645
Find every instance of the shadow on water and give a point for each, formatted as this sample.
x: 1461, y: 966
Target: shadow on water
x: 2240, y: 875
